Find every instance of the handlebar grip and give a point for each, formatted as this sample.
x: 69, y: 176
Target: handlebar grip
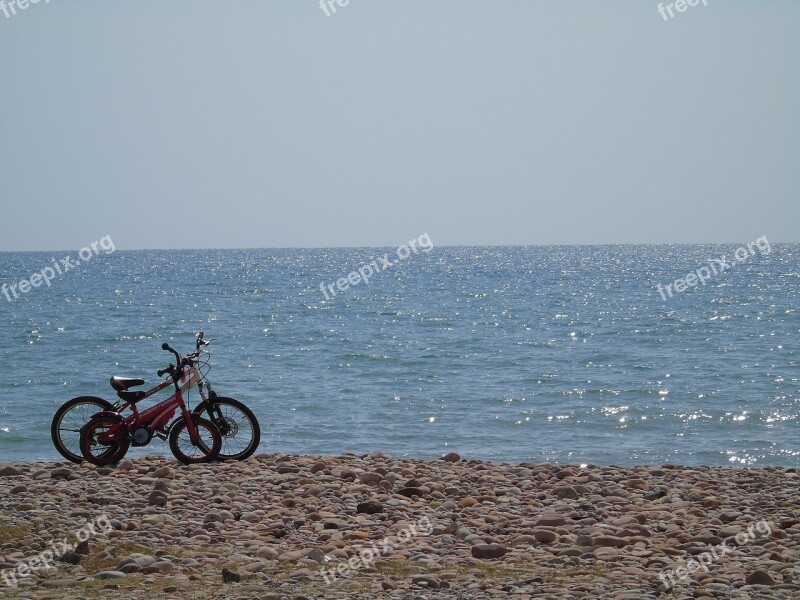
x: 166, y: 346
x: 162, y: 372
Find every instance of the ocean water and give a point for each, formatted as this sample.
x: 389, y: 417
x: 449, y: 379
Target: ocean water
x: 562, y: 354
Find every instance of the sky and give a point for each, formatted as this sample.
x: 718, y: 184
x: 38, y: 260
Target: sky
x: 251, y: 124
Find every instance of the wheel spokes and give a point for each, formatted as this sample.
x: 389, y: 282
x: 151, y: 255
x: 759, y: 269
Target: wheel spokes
x: 72, y: 422
x: 238, y: 430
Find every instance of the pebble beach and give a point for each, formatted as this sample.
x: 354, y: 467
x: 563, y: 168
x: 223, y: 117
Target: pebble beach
x: 372, y: 526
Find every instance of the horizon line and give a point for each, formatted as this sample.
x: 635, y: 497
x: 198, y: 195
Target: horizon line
x: 394, y: 247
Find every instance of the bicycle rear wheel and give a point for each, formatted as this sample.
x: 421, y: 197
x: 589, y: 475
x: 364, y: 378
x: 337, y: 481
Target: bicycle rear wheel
x: 189, y: 452
x: 106, y: 452
x: 65, y: 429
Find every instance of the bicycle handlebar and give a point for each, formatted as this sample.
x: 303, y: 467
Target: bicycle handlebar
x: 179, y: 361
x: 201, y: 341
x: 182, y: 361
x: 166, y: 346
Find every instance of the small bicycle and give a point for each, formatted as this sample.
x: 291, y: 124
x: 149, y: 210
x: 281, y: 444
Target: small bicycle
x: 105, y: 439
x: 236, y: 423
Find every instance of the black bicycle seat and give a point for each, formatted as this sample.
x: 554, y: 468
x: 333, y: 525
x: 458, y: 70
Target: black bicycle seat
x: 123, y: 383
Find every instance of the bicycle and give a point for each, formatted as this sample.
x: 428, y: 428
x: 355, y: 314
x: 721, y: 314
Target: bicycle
x: 105, y: 439
x: 238, y: 425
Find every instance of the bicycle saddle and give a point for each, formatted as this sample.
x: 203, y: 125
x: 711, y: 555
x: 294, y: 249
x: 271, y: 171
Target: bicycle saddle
x: 123, y: 383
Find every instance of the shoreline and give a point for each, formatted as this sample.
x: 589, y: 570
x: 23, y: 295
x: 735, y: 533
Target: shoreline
x: 373, y: 526
x: 500, y: 462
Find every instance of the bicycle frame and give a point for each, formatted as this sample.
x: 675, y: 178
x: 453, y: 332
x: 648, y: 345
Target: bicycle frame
x: 159, y: 414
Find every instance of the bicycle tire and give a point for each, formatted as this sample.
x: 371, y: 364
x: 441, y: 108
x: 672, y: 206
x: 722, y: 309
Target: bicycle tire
x: 115, y: 450
x: 222, y: 411
x: 62, y: 425
x: 207, y: 454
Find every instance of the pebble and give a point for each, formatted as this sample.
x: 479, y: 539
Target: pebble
x: 546, y: 536
x: 760, y: 577
x: 110, y: 575
x: 566, y: 491
x: 157, y: 498
x: 488, y: 551
x: 551, y: 520
x: 162, y: 472
x: 370, y: 508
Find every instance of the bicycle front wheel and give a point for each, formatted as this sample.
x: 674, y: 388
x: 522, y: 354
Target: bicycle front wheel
x: 204, y: 449
x: 65, y: 430
x: 241, y: 433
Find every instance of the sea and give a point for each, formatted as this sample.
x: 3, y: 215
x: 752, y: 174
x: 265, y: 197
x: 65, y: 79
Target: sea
x: 557, y: 354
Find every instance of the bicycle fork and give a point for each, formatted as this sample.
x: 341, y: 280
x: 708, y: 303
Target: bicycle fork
x: 214, y: 412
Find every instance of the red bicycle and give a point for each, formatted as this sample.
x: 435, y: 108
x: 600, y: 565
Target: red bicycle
x: 105, y: 439
x: 241, y: 432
